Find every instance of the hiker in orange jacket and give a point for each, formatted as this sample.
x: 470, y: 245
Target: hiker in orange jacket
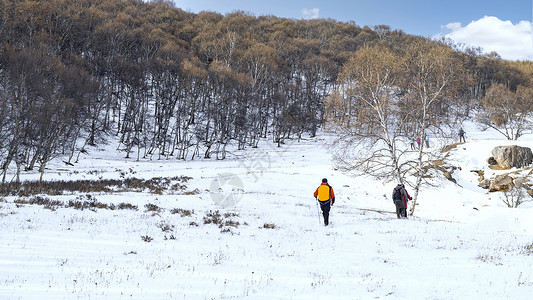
x: 326, y: 197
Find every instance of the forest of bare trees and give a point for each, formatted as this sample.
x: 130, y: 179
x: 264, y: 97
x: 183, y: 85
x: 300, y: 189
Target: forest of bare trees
x: 166, y: 83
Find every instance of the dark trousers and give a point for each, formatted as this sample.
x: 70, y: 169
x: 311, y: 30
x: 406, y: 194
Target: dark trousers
x: 400, y: 212
x: 325, y: 206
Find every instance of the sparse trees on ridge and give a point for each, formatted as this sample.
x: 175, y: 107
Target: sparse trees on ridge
x: 509, y: 113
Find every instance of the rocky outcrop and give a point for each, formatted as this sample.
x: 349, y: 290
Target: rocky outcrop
x: 484, y: 184
x: 513, y: 156
x: 447, y: 148
x: 507, y: 157
x: 501, y: 183
x: 521, y: 182
x: 505, y: 182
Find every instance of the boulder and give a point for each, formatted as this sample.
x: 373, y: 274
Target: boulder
x: 520, y: 182
x: 512, y: 156
x: 484, y: 184
x: 501, y: 183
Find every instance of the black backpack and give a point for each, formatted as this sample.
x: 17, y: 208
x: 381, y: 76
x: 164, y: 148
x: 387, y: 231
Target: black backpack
x: 397, y: 194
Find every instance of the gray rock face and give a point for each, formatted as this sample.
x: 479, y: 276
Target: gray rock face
x: 501, y: 183
x: 512, y: 156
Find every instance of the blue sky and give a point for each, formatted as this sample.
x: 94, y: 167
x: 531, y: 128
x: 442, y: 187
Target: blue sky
x: 466, y: 21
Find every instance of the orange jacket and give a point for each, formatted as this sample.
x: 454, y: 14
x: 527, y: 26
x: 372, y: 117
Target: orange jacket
x: 321, y: 192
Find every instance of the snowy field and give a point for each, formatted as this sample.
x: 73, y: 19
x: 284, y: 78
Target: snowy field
x: 248, y: 228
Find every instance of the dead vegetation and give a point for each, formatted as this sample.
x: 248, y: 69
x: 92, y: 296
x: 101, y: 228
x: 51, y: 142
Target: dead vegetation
x: 269, y: 226
x: 225, y: 222
x: 182, y: 212
x: 156, y: 185
x: 81, y: 202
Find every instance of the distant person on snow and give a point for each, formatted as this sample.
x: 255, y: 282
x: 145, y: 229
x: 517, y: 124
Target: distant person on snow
x: 462, y: 136
x: 400, y: 198
x: 326, y: 197
x: 412, y: 143
x: 426, y: 137
x: 418, y: 141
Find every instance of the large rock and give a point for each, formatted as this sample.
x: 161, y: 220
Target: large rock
x: 484, y: 184
x: 521, y: 182
x: 501, y: 183
x: 512, y: 156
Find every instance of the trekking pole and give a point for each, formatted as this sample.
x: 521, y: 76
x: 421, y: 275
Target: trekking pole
x: 318, y: 211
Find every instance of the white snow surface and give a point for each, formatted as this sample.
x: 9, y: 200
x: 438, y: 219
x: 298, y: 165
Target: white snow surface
x: 462, y: 243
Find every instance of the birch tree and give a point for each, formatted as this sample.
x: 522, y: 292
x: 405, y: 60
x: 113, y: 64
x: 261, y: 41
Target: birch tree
x: 434, y: 73
x: 367, y: 111
x: 383, y: 99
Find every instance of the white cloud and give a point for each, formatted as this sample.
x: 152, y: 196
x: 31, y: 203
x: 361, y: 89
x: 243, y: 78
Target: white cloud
x: 312, y: 13
x: 453, y: 26
x: 511, y: 41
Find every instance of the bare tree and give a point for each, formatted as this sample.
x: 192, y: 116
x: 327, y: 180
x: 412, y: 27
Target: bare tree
x: 434, y: 74
x: 367, y: 109
x: 515, y: 196
x: 383, y: 99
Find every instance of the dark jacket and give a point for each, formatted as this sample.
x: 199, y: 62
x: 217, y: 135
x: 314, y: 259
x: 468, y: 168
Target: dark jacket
x: 403, y: 194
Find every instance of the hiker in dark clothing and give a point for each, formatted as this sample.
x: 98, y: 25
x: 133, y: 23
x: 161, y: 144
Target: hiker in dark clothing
x: 400, y: 198
x: 326, y: 197
x: 462, y: 136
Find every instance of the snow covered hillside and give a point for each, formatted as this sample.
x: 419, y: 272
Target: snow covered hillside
x: 248, y: 228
